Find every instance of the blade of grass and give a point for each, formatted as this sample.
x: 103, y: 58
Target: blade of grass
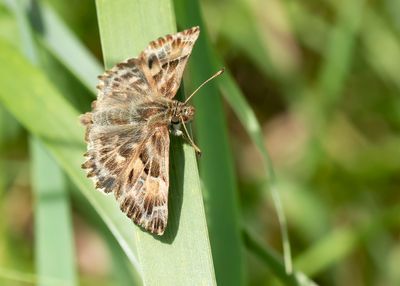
x: 54, y: 253
x: 55, y: 123
x: 123, y: 271
x: 25, y: 33
x: 216, y: 164
x: 319, y: 104
x: 248, y: 119
x: 238, y: 26
x: 56, y: 38
x: 272, y: 259
x: 375, y: 35
x: 182, y: 256
x: 8, y: 25
x: 338, y: 54
x: 71, y: 53
x: 13, y: 277
x: 8, y: 131
x: 341, y: 242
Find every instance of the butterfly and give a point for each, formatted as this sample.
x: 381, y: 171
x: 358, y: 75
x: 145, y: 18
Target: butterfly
x: 128, y: 129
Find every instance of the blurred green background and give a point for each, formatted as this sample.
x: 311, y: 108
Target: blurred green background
x: 322, y: 78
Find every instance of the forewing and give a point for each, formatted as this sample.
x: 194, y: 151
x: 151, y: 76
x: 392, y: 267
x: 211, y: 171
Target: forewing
x: 164, y: 60
x: 133, y: 165
x: 123, y: 82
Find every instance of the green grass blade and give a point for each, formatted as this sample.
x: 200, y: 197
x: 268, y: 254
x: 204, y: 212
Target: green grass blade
x: 182, y: 256
x: 376, y: 33
x: 275, y: 264
x: 56, y: 38
x: 248, y: 119
x: 338, y: 55
x: 55, y: 123
x: 54, y: 253
x: 239, y: 26
x: 122, y: 269
x: 25, y: 34
x: 216, y: 163
x: 332, y: 249
x: 64, y: 45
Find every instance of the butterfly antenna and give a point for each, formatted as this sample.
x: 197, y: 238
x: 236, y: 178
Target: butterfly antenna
x: 201, y: 85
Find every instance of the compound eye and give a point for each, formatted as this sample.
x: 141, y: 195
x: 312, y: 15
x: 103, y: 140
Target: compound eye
x: 175, y: 120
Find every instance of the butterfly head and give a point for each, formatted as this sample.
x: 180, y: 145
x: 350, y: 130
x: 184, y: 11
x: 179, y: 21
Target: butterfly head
x: 187, y: 112
x: 182, y: 112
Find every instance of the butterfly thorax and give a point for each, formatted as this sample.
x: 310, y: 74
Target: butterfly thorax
x: 181, y: 111
x: 162, y: 112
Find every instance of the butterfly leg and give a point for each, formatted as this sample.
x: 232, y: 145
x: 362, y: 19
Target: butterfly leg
x: 187, y: 136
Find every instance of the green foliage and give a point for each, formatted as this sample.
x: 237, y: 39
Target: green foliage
x: 185, y: 244
x: 52, y: 215
x: 216, y: 166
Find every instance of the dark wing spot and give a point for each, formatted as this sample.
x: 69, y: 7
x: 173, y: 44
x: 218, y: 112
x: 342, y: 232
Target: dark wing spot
x: 144, y: 156
x: 127, y: 75
x: 88, y: 164
x: 151, y: 60
x: 135, y: 214
x: 92, y: 173
x: 140, y: 81
x: 172, y: 65
x: 105, y: 150
x: 132, y: 210
x: 108, y: 184
x: 170, y: 83
x: 125, y: 150
x: 111, y: 164
x: 126, y: 203
x: 117, y: 191
x: 157, y: 225
x: 157, y: 77
x: 155, y: 169
x: 130, y: 177
x: 157, y: 145
x: 148, y: 204
x: 146, y: 169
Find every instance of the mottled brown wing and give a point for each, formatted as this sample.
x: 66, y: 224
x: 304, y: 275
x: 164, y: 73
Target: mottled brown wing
x: 148, y: 177
x: 133, y: 164
x: 125, y: 156
x: 164, y: 60
x: 126, y: 76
